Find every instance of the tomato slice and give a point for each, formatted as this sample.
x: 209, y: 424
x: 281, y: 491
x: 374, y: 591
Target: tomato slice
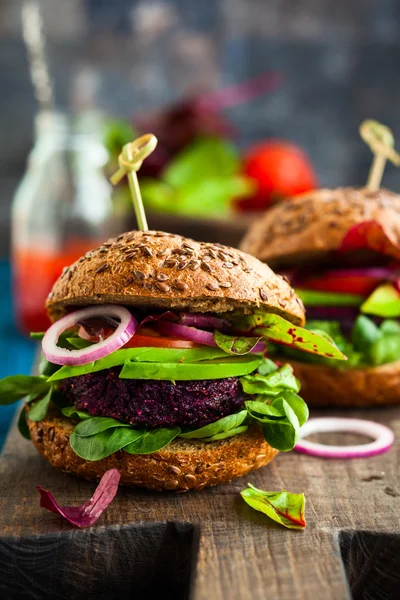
x: 150, y: 341
x: 356, y: 284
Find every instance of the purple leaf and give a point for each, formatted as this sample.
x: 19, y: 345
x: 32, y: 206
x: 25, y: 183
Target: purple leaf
x: 88, y: 513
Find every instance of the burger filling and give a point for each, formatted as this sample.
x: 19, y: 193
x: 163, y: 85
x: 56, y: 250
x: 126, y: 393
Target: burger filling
x: 353, y: 296
x: 135, y: 381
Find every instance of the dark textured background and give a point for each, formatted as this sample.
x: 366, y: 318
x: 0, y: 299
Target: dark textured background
x: 340, y: 61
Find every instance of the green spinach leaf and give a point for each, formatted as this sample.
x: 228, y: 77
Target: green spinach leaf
x: 95, y: 425
x: 39, y: 410
x: 153, y: 440
x: 23, y: 425
x: 223, y: 425
x: 103, y: 444
x: 15, y: 387
x: 73, y: 413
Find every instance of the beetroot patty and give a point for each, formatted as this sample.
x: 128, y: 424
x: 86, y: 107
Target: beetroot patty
x: 154, y: 403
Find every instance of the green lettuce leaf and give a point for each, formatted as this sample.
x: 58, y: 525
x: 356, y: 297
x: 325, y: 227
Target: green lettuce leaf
x: 201, y: 180
x: 16, y: 387
x: 151, y: 355
x: 284, y: 507
x: 218, y: 369
x: 275, y: 328
x: 225, y: 425
x: 383, y: 302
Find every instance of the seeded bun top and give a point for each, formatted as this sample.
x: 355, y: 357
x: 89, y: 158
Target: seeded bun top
x: 154, y: 269
x: 316, y: 222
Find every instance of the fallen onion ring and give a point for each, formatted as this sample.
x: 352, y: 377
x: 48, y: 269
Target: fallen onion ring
x: 61, y: 356
x: 383, y: 438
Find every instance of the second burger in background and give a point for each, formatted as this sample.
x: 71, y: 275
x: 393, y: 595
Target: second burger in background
x: 341, y: 250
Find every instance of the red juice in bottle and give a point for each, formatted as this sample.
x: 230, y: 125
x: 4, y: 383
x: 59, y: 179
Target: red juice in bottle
x: 62, y: 208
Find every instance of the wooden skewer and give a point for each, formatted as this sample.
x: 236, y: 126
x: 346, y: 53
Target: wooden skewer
x: 381, y: 142
x: 130, y: 160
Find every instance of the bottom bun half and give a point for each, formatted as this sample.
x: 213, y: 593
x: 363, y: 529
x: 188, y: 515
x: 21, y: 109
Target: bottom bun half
x: 326, y: 386
x: 183, y: 465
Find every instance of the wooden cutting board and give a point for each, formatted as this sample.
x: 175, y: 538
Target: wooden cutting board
x: 207, y: 545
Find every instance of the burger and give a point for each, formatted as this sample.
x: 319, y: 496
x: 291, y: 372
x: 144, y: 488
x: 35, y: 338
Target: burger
x: 156, y: 364
x: 341, y: 251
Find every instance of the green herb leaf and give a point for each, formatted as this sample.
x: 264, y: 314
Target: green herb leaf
x: 23, y: 425
x: 235, y: 344
x: 223, y: 425
x: 151, y: 355
x: 39, y: 410
x: 277, y: 329
x: 383, y: 302
x: 73, y: 413
x: 218, y: 369
x: 153, y: 440
x: 15, y: 387
x: 284, y: 507
x: 103, y: 444
x: 96, y: 425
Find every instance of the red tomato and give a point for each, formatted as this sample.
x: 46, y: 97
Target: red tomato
x: 281, y: 169
x: 360, y: 284
x: 149, y: 341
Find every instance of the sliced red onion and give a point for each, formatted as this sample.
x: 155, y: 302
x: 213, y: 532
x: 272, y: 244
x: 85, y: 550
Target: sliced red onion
x: 203, y: 321
x: 88, y: 513
x: 383, y: 438
x: 183, y: 332
x: 62, y: 356
x: 192, y: 334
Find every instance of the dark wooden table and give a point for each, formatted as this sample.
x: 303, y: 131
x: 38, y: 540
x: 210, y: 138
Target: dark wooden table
x: 208, y: 545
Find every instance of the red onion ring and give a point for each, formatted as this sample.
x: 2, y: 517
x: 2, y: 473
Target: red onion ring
x: 192, y: 334
x: 62, y: 356
x: 203, y: 321
x: 184, y: 332
x: 383, y: 438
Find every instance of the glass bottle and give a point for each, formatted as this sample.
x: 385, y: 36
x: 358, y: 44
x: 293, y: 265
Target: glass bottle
x: 62, y: 208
